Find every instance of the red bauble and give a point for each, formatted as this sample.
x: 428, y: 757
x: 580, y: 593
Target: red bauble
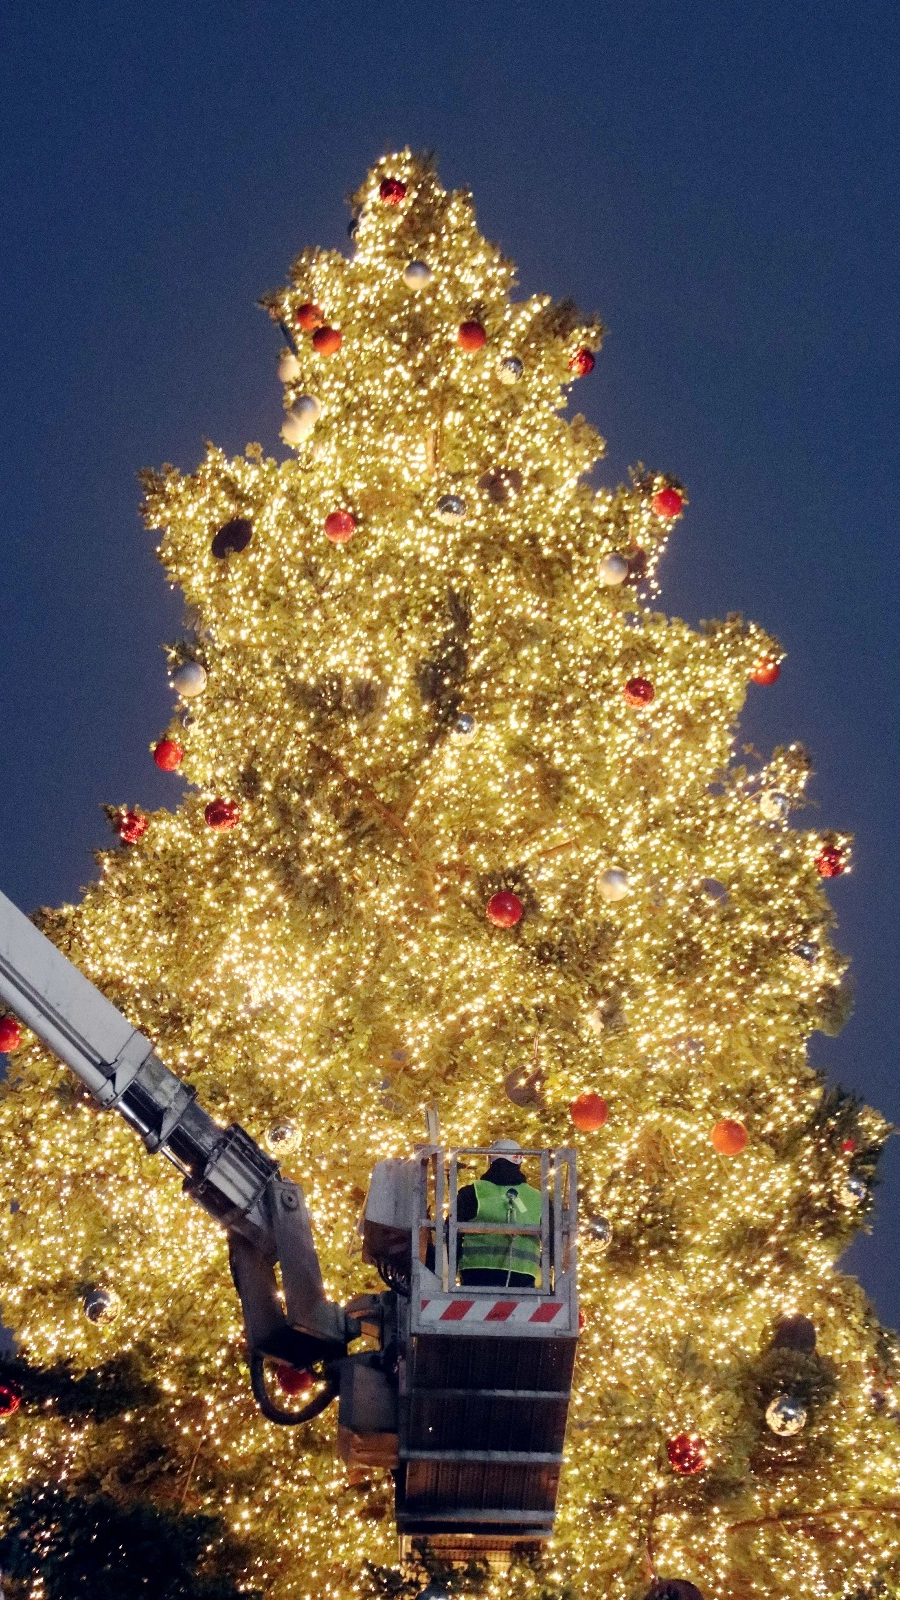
x: 588, y: 1111
x: 830, y: 861
x: 168, y: 755
x: 222, y: 814
x: 687, y: 1454
x: 132, y: 826
x: 766, y: 671
x: 10, y: 1400
x: 638, y: 691
x: 848, y: 1146
x: 582, y: 361
x: 10, y: 1035
x: 309, y: 317
x: 292, y: 1380
x: 729, y: 1137
x: 470, y: 336
x: 667, y: 503
x: 392, y: 191
x: 504, y: 910
x: 327, y: 340
x: 340, y: 526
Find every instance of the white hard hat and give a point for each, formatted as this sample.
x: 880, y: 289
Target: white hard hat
x: 510, y: 1148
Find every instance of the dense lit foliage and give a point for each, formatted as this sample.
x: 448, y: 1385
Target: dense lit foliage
x: 418, y: 708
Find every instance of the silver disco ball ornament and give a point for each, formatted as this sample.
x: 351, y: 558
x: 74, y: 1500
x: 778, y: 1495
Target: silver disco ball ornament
x: 189, y: 679
x: 785, y: 1415
x: 416, y: 274
x: 774, y: 805
x: 854, y: 1190
x: 451, y: 507
x: 613, y: 884
x: 598, y: 1231
x: 510, y: 370
x: 612, y: 570
x: 281, y: 1136
x: 301, y: 419
x: 464, y: 727
x: 101, y: 1305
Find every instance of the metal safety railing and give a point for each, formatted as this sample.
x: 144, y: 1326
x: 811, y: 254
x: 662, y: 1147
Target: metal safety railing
x: 438, y: 1225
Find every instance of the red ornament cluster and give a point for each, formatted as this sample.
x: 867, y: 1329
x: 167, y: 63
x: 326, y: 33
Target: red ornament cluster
x: 830, y: 862
x: 667, y: 503
x: 588, y: 1111
x: 766, y: 671
x: 326, y: 341
x: 504, y: 909
x: 470, y: 336
x: 10, y: 1400
x: 309, y: 317
x: 582, y: 361
x: 340, y: 526
x: 293, y: 1380
x: 10, y: 1035
x: 222, y: 814
x: 391, y: 191
x: 168, y: 755
x: 638, y: 691
x: 687, y: 1454
x: 132, y: 826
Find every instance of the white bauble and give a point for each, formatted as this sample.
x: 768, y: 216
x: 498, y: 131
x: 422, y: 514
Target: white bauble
x: 189, y: 679
x: 596, y: 1020
x: 774, y: 805
x: 301, y: 419
x: 416, y: 274
x: 613, y: 884
x: 288, y: 367
x: 613, y: 570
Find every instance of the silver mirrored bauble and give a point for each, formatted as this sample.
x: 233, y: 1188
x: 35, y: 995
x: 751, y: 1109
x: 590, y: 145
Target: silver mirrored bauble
x: 301, y: 419
x: 101, y: 1305
x: 510, y: 370
x: 774, y: 806
x: 854, y: 1190
x: 464, y: 727
x: 598, y: 1231
x: 189, y: 679
x: 613, y: 570
x: 282, y: 1136
x: 785, y: 1415
x: 451, y: 507
x: 416, y: 274
x: 613, y: 884
x: 714, y: 889
x: 524, y: 1087
x: 807, y: 950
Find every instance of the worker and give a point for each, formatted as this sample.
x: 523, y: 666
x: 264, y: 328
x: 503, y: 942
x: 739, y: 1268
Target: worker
x: 502, y: 1194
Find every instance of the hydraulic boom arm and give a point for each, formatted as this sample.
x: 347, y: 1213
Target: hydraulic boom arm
x: 224, y: 1170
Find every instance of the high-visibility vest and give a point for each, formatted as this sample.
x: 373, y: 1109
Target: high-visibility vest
x: 504, y: 1252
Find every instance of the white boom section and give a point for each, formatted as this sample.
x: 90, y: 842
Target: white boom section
x: 72, y: 1018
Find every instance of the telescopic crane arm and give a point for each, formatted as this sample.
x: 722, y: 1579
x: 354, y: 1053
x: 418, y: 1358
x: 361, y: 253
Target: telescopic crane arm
x: 223, y: 1169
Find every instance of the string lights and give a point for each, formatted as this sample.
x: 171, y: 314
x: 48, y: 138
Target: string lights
x: 390, y: 719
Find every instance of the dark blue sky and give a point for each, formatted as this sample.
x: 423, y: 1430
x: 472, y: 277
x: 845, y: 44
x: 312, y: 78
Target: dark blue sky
x: 718, y: 180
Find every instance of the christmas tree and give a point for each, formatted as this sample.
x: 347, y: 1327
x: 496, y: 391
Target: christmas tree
x: 465, y: 827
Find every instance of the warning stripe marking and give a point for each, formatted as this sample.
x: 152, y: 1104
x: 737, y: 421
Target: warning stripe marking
x: 490, y: 1311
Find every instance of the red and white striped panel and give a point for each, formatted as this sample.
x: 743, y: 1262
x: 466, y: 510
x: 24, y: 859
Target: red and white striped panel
x: 485, y: 1310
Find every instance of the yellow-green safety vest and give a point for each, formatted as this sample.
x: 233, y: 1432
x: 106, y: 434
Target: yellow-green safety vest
x: 504, y: 1252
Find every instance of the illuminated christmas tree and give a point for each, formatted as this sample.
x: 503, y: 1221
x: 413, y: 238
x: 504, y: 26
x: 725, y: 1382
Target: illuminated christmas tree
x: 464, y: 829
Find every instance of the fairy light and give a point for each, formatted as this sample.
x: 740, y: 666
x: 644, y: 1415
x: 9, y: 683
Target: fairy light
x: 328, y: 962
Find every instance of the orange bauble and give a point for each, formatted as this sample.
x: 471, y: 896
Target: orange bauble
x: 326, y: 341
x: 766, y: 671
x: 10, y: 1035
x: 340, y: 526
x: 729, y: 1137
x: 309, y: 317
x: 470, y: 336
x: 588, y: 1111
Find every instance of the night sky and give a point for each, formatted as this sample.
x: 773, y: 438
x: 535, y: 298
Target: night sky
x: 717, y: 180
